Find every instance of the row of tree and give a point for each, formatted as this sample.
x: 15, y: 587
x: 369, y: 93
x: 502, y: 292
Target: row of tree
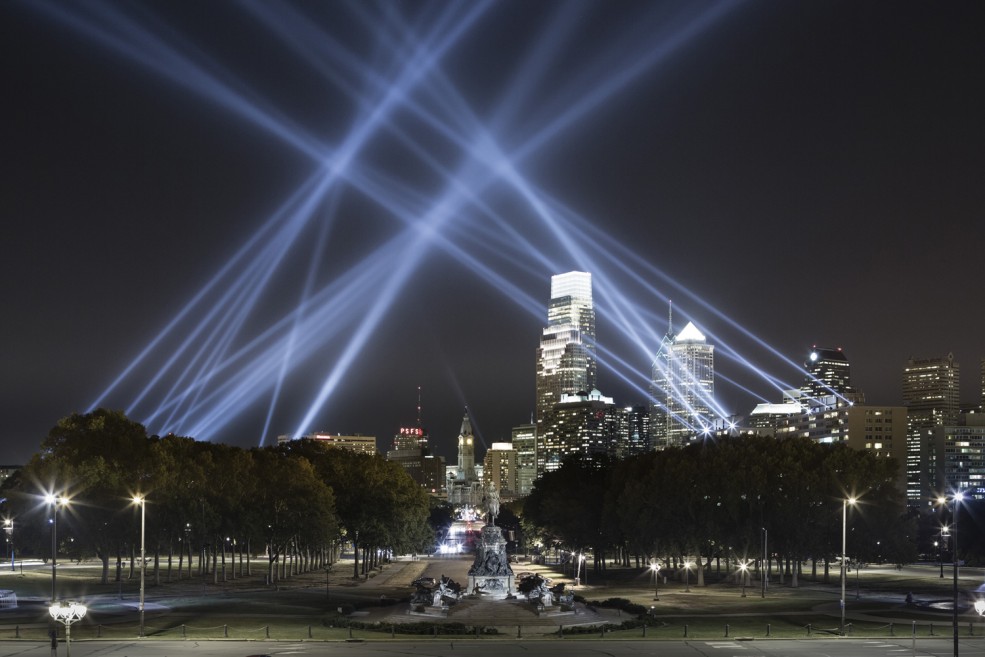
x: 726, y: 499
x: 296, y: 503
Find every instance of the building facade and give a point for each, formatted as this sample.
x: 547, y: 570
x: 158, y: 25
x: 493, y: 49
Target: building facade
x: 960, y: 463
x: 356, y: 443
x: 412, y: 451
x: 931, y: 396
x: 582, y: 424
x: 525, y: 443
x: 500, y: 467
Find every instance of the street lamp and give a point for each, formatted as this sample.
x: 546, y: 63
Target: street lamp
x: 67, y: 614
x: 54, y: 501
x: 655, y: 567
x: 844, y: 526
x: 956, y: 499
x: 743, y: 573
x: 8, y: 527
x: 142, y: 502
x: 945, y: 534
x: 687, y: 571
x: 766, y: 562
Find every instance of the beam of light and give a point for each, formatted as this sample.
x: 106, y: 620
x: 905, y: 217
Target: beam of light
x: 631, y: 264
x: 294, y: 221
x: 517, y: 181
x: 273, y: 256
x: 417, y: 69
x: 384, y: 298
x: 250, y: 370
x: 309, y: 284
x: 200, y: 297
x: 108, y: 27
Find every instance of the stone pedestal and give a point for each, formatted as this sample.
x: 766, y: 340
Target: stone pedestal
x: 490, y: 575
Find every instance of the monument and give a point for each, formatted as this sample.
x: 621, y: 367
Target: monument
x: 491, y: 575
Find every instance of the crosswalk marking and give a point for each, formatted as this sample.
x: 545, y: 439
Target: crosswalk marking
x: 725, y: 644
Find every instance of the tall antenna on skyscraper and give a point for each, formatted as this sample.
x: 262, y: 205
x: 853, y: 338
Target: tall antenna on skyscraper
x: 419, y: 425
x: 670, y: 318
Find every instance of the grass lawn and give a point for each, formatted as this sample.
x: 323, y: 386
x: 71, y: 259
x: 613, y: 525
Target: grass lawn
x: 299, y: 608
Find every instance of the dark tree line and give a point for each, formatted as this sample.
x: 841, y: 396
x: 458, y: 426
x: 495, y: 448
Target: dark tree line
x: 296, y: 504
x: 716, y: 501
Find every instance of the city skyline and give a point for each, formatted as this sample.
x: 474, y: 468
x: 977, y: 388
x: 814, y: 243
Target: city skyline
x: 788, y: 175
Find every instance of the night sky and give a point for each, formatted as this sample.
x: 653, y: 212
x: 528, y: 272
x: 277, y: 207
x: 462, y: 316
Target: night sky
x: 788, y: 173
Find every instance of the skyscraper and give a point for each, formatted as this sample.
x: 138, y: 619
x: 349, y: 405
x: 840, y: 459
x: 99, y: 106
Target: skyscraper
x: 566, y: 361
x: 828, y: 373
x: 525, y: 444
x: 583, y: 425
x: 683, y: 388
x: 930, y: 391
x: 931, y: 397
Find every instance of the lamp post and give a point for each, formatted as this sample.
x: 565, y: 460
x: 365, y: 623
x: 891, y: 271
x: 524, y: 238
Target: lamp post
x: 766, y: 563
x: 142, y: 502
x: 655, y: 567
x: 54, y: 501
x: 956, y: 499
x: 8, y: 527
x: 67, y: 614
x: 743, y: 571
x: 844, y: 539
x: 687, y: 571
x: 945, y: 534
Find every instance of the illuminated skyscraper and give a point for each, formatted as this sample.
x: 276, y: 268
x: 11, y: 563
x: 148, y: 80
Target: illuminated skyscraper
x: 930, y: 391
x: 931, y: 397
x: 683, y: 388
x: 828, y: 373
x: 582, y: 425
x: 566, y: 361
x: 525, y: 444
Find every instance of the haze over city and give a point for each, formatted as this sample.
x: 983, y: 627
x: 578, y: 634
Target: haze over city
x: 296, y: 221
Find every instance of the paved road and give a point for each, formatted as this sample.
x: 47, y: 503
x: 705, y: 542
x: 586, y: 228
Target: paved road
x: 497, y: 648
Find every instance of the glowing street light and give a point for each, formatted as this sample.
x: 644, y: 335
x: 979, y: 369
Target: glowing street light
x: 8, y: 527
x: 66, y: 614
x: 945, y: 534
x: 844, y: 540
x: 956, y: 499
x: 687, y: 571
x: 655, y: 567
x: 744, y: 573
x: 54, y: 501
x: 142, y: 502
